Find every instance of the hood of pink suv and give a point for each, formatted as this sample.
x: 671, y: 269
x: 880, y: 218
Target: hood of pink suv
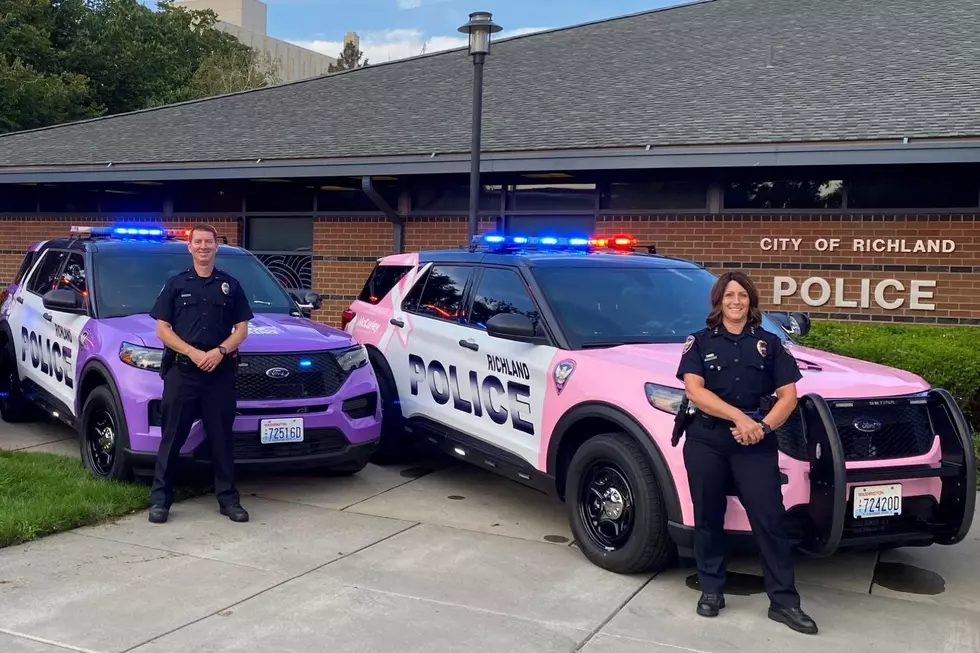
x: 829, y: 375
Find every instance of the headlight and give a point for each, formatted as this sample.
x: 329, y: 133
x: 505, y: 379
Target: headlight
x: 352, y: 358
x: 664, y: 398
x: 144, y: 358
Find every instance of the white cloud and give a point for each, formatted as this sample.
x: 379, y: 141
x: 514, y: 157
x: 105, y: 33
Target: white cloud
x: 390, y: 45
x: 415, y: 4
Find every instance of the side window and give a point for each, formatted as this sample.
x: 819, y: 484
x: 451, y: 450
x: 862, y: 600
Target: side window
x: 441, y: 293
x: 73, y: 276
x: 46, y: 274
x: 500, y: 291
x: 383, y: 278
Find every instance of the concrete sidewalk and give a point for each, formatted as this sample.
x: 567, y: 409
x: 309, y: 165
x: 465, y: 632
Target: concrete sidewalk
x: 426, y: 559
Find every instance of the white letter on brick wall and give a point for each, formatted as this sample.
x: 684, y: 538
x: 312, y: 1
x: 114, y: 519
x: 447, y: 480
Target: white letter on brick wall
x: 782, y: 287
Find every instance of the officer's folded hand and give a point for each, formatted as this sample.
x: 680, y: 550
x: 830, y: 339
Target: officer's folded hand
x: 197, y: 357
x: 747, y: 431
x: 210, y: 360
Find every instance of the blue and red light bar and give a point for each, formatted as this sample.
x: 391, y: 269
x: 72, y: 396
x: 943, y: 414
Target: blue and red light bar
x: 545, y: 243
x: 130, y: 231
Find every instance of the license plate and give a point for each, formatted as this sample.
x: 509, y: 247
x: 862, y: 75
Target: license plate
x: 275, y: 431
x: 877, y: 501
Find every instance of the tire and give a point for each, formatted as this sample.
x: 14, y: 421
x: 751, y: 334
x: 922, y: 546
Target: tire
x: 102, y: 437
x: 616, y: 466
x: 394, y: 447
x: 15, y: 408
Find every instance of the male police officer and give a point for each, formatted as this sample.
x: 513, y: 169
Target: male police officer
x: 730, y: 370
x: 202, y: 317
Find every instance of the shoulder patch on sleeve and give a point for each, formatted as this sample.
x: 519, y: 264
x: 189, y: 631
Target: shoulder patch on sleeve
x: 688, y: 343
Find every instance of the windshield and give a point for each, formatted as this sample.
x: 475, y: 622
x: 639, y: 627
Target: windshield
x: 128, y: 283
x: 611, y: 305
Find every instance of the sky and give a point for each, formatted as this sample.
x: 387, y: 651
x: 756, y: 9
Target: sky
x: 394, y: 29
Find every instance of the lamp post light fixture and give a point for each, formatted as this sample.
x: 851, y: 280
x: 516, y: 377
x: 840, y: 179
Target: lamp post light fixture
x: 479, y: 28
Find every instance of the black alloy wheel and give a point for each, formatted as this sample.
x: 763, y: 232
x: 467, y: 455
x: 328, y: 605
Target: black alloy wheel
x: 103, y: 438
x: 615, y: 507
x: 100, y: 438
x: 607, y: 505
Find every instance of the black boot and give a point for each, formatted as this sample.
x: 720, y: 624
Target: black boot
x: 710, y: 604
x: 235, y: 513
x: 795, y: 618
x: 158, y: 514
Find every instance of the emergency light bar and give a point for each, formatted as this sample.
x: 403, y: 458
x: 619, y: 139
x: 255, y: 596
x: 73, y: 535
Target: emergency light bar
x: 124, y: 231
x: 500, y: 242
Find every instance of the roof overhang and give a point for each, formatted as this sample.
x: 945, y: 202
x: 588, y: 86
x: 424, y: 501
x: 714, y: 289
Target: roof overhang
x: 724, y: 156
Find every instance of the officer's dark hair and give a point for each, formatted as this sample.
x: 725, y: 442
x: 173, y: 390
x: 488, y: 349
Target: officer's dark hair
x: 718, y: 294
x: 204, y: 227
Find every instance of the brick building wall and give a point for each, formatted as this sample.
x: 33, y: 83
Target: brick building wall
x: 815, y: 257
x: 346, y: 248
x: 18, y: 232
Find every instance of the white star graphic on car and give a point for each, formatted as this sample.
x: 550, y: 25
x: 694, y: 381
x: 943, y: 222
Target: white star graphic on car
x: 397, y: 313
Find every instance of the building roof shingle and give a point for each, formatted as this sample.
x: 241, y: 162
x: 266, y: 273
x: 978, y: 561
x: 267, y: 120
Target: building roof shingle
x: 714, y: 72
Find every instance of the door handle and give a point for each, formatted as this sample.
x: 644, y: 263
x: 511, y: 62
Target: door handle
x: 47, y: 316
x: 20, y: 300
x: 398, y: 323
x: 469, y: 344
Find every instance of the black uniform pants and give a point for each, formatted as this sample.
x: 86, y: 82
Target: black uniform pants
x: 188, y: 394
x: 712, y: 456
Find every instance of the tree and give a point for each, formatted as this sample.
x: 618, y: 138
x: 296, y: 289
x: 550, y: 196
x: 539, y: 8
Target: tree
x: 349, y: 59
x: 232, y: 72
x: 62, y: 60
x: 30, y: 99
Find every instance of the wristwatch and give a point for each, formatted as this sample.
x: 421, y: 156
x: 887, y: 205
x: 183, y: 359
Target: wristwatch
x: 221, y: 348
x: 765, y: 427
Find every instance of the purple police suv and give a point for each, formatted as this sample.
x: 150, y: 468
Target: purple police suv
x: 77, y: 342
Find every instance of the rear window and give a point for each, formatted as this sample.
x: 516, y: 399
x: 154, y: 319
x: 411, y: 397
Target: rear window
x: 383, y: 278
x: 25, y: 266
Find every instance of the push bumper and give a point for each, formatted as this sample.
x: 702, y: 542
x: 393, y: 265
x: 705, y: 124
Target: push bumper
x: 826, y: 524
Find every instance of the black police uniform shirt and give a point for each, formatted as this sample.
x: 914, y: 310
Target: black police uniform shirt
x: 740, y: 369
x: 202, y: 311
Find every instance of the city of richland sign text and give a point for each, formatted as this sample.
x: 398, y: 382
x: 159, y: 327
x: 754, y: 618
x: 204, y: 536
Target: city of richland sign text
x: 859, y: 293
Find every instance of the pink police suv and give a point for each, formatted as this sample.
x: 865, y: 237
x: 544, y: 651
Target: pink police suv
x: 552, y: 362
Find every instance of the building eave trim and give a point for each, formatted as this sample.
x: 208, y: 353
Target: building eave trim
x: 734, y: 156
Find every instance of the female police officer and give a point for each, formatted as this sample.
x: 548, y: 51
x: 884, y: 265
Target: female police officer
x: 727, y: 369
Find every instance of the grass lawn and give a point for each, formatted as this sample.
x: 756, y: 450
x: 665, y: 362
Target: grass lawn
x: 44, y: 493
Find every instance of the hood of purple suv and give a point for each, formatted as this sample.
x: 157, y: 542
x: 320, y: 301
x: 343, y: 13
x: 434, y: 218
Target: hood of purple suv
x: 266, y: 333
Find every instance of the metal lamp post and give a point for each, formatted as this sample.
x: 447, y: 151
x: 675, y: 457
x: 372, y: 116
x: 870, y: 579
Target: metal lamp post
x: 480, y: 27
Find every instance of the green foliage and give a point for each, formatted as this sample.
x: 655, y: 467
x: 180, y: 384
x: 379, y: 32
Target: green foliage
x: 350, y: 58
x: 63, y: 60
x: 45, y: 493
x: 946, y: 357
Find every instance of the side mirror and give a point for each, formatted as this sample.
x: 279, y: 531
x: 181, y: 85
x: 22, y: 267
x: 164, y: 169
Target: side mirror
x: 65, y: 300
x: 512, y: 326
x: 795, y: 323
x: 799, y: 323
x: 314, y: 300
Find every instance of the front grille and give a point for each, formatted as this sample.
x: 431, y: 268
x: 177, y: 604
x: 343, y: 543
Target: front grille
x: 321, y: 378
x: 248, y: 446
x: 890, y: 428
x: 792, y: 437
